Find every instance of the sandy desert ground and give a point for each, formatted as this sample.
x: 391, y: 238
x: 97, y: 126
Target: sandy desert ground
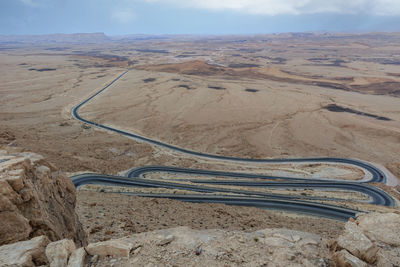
x: 255, y: 96
x: 261, y: 97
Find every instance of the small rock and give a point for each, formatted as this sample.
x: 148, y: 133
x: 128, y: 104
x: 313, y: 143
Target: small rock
x: 197, y: 251
x: 58, y: 252
x: 115, y: 248
x: 162, y: 241
x: 77, y: 258
x: 344, y: 259
x: 94, y: 260
x: 137, y: 250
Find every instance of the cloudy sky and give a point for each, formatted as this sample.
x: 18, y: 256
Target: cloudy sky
x: 116, y: 17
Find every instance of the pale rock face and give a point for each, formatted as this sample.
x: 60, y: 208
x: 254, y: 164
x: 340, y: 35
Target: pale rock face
x: 25, y: 253
x: 58, y: 252
x: 374, y: 238
x: 354, y: 241
x: 77, y: 258
x: 115, y: 248
x: 381, y: 227
x: 284, y: 238
x: 344, y: 259
x: 36, y: 200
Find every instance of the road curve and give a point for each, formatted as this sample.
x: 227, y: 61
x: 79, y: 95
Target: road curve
x: 259, y: 199
x: 241, y: 197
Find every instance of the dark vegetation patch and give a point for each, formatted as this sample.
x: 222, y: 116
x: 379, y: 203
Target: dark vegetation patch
x: 216, y: 87
x: 385, y: 88
x: 111, y: 60
x: 273, y: 60
x: 175, y: 79
x: 384, y: 61
x: 251, y: 90
x: 184, y: 86
x: 327, y: 62
x: 62, y: 124
x: 344, y: 79
x: 48, y: 98
x: 57, y: 48
x: 187, y: 56
x: 330, y: 85
x: 149, y: 80
x: 5, y: 48
x: 318, y: 59
x: 155, y: 51
x: 394, y: 74
x: 391, y: 62
x: 336, y: 108
x: 277, y: 60
x: 98, y: 54
x: 243, y: 65
x: 250, y: 50
x: 43, y: 69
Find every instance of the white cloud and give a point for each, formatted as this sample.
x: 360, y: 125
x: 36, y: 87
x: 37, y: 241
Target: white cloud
x: 279, y: 7
x: 123, y: 15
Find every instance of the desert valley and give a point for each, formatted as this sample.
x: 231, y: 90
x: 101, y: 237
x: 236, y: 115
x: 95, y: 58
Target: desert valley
x: 138, y: 123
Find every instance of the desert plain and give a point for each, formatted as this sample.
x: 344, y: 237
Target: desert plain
x: 261, y: 96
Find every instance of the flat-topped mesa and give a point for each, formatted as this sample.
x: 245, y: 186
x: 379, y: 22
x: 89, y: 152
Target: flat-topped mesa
x: 35, y: 200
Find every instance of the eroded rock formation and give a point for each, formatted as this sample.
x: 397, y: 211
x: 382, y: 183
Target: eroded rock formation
x: 372, y: 238
x: 36, y: 200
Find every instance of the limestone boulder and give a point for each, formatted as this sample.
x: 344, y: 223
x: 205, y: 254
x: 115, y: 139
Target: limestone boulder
x: 358, y: 244
x: 35, y: 200
x: 25, y: 253
x: 373, y: 238
x: 114, y: 248
x: 77, y: 258
x: 344, y: 259
x: 59, y: 252
x: 379, y: 227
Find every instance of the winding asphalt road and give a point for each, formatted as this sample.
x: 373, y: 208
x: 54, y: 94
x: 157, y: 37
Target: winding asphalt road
x: 298, y: 203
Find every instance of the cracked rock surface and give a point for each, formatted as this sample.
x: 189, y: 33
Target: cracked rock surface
x: 36, y: 200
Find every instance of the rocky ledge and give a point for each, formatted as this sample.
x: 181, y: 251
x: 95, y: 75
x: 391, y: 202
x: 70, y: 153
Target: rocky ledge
x: 36, y: 200
x: 371, y: 240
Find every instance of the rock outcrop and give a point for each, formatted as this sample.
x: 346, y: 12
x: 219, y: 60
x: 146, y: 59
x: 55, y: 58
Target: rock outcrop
x: 25, y: 253
x: 363, y: 240
x: 372, y: 238
x: 116, y: 248
x: 36, y: 200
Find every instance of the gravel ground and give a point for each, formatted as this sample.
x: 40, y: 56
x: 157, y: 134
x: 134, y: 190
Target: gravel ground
x: 109, y: 216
